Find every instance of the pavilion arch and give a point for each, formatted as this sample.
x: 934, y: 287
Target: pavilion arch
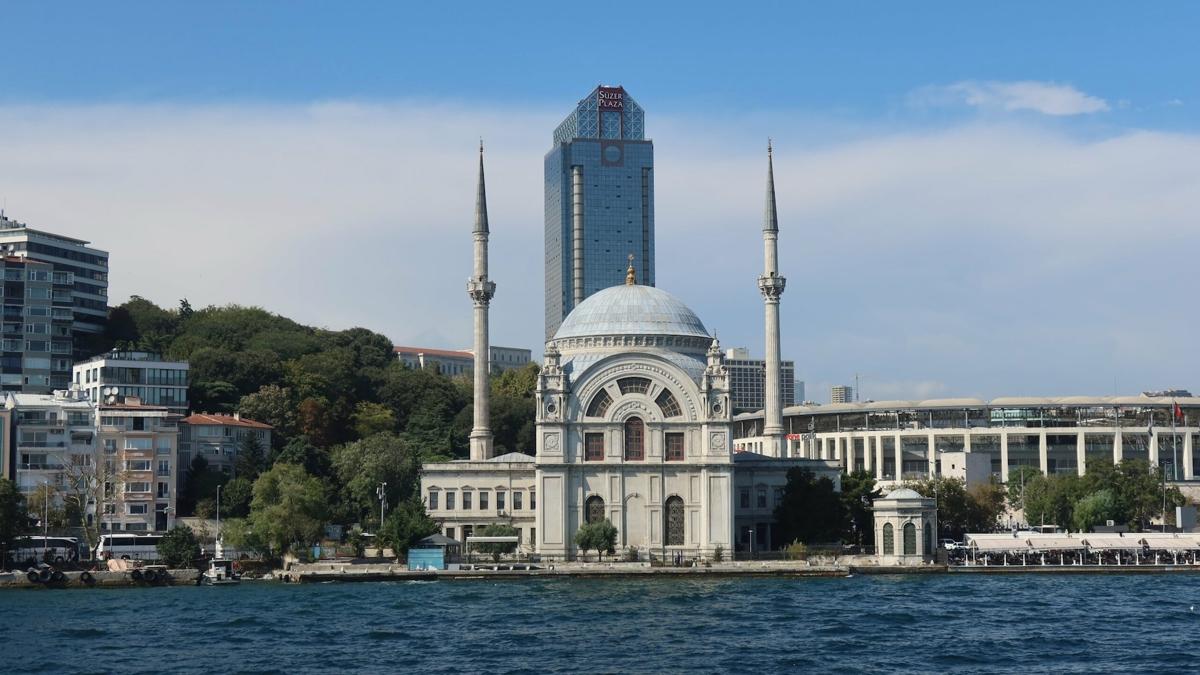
x: 683, y: 400
x: 910, y: 538
x: 889, y: 539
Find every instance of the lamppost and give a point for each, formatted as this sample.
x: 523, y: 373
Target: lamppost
x: 46, y: 515
x: 752, y: 543
x: 381, y: 492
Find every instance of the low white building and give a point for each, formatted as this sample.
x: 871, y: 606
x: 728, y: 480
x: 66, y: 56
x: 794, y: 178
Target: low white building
x: 148, y: 376
x: 905, y: 528
x: 467, y: 496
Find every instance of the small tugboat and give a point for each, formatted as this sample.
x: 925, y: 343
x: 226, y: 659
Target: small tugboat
x: 220, y: 572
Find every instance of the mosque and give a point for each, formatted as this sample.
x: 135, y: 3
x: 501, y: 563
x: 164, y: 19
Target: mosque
x: 634, y: 425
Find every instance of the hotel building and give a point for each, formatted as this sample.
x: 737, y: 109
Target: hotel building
x: 599, y: 201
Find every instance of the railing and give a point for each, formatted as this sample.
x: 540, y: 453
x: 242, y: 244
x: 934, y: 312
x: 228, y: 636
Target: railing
x: 41, y: 444
x: 40, y: 467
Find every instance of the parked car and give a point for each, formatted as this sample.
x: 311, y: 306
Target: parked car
x: 950, y: 545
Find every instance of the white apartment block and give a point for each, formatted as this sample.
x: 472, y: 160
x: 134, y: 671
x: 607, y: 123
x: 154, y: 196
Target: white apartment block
x: 217, y: 438
x: 148, y: 376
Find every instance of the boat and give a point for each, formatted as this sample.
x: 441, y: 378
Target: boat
x: 220, y: 572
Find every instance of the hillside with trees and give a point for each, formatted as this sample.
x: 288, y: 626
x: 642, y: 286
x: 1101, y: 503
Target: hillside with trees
x: 347, y: 414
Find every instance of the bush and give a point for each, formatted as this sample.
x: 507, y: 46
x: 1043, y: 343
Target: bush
x: 718, y: 553
x: 797, y: 550
x: 178, y: 548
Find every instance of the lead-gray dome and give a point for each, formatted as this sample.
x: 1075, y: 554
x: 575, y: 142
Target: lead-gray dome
x: 631, y: 310
x: 904, y: 493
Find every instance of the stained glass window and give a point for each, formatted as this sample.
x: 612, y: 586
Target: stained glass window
x: 674, y: 521
x: 669, y: 406
x: 594, y: 509
x: 674, y: 447
x: 599, y: 405
x: 593, y: 447
x: 635, y: 440
x: 633, y: 385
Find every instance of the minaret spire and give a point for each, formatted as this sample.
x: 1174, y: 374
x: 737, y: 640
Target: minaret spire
x: 771, y: 284
x: 481, y: 291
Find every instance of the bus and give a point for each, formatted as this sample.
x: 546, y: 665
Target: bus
x: 128, y: 546
x: 38, y: 548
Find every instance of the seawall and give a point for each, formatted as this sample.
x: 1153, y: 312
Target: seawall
x: 104, y: 579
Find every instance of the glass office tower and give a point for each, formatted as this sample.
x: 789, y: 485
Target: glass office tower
x: 599, y: 201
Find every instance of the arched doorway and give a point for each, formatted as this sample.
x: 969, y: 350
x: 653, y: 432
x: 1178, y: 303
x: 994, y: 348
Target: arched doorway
x: 674, y: 526
x: 635, y: 440
x: 910, y: 539
x: 593, y: 509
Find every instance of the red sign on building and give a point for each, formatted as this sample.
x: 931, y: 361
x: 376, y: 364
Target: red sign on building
x: 611, y: 98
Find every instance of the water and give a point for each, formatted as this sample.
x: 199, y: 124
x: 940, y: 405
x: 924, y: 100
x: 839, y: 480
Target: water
x: 942, y: 623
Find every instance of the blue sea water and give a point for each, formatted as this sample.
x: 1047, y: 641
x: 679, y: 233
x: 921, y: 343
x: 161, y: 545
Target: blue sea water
x: 927, y: 623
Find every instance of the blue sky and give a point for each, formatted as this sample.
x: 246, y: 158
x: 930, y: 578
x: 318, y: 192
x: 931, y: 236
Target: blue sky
x: 984, y: 200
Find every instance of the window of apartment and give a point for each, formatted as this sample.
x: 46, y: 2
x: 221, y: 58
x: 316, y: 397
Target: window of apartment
x: 483, y: 501
x: 744, y: 502
x: 499, y: 501
x: 466, y: 500
x: 674, y: 447
x: 164, y: 490
x: 532, y: 499
x: 135, y: 527
x: 450, y: 532
x: 136, y: 509
x: 137, y: 486
x: 517, y: 500
x: 139, y: 443
x: 450, y: 501
x: 37, y: 346
x: 37, y: 328
x: 762, y: 498
x: 137, y: 465
x: 164, y: 467
x: 110, y: 445
x: 433, y: 500
x: 593, y: 445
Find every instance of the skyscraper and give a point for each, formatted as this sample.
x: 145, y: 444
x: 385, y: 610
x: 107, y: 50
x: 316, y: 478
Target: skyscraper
x: 55, y: 305
x: 599, y: 201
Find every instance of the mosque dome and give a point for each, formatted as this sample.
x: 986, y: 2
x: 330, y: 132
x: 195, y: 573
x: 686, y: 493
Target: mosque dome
x: 631, y: 310
x: 904, y: 493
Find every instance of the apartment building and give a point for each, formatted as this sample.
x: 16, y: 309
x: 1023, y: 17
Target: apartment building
x: 148, y: 376
x: 217, y: 438
x: 140, y: 448
x: 53, y: 438
x: 37, y: 326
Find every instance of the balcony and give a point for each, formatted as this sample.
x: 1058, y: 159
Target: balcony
x: 41, y: 444
x: 40, y: 467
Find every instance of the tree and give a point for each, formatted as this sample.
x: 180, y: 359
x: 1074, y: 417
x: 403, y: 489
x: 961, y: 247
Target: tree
x: 1096, y: 508
x: 811, y: 510
x: 497, y: 549
x: 200, y: 486
x: 47, y: 509
x: 236, y: 533
x: 288, y: 508
x: 236, y: 496
x: 858, y: 492
x: 1018, y: 478
x: 383, y: 458
x: 599, y: 535
x: 300, y: 451
x: 405, y: 525
x: 179, y: 547
x: 373, y: 418
x: 251, y: 457
x: 274, y: 405
x: 90, y: 482
x: 14, y: 520
x: 961, y: 510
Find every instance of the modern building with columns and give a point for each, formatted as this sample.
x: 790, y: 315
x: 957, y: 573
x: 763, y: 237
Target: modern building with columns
x: 904, y: 440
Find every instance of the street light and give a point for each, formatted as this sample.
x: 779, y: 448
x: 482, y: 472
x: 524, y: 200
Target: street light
x: 381, y: 492
x: 752, y: 543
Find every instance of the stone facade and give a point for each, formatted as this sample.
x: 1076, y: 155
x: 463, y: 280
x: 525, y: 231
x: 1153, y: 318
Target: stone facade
x: 905, y: 528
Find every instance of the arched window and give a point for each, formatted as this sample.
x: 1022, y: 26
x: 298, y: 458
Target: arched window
x: 599, y: 405
x: 635, y: 440
x: 928, y: 538
x: 674, y: 525
x: 889, y: 540
x: 668, y: 405
x: 910, y: 539
x: 633, y: 385
x: 593, y: 509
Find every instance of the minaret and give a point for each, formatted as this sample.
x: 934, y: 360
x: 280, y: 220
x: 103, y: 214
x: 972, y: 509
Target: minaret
x: 771, y: 285
x: 481, y: 291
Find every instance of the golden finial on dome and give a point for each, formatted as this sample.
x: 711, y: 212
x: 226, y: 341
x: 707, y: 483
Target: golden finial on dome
x: 630, y: 274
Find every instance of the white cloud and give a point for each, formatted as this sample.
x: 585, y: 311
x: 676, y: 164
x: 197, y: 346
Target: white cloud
x: 1048, y: 98
x: 985, y: 259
